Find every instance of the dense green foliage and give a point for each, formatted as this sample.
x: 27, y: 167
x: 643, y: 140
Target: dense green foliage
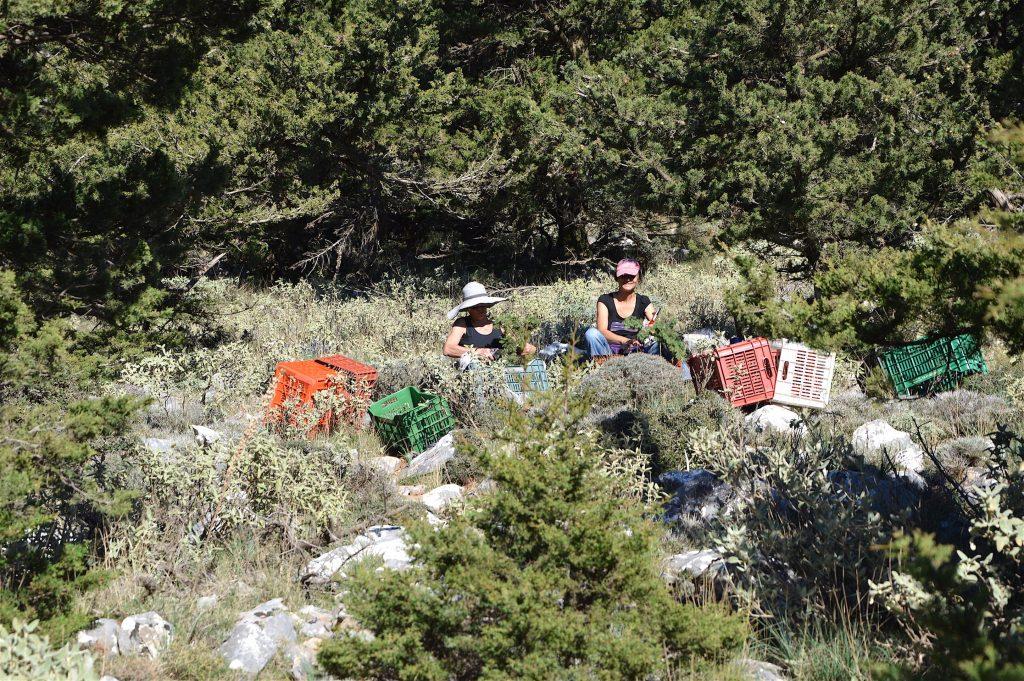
x: 551, y: 576
x: 966, y: 276
x: 52, y: 493
x: 143, y: 138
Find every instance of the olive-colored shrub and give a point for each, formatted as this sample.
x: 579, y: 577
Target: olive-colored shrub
x: 549, y: 576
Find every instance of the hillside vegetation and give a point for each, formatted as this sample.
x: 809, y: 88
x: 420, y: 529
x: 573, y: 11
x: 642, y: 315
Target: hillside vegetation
x: 192, y: 192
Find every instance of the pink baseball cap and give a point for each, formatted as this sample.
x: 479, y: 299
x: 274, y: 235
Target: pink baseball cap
x: 627, y: 266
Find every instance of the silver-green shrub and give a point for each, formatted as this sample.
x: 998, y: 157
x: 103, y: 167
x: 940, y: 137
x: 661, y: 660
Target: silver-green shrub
x: 197, y: 495
x: 670, y: 423
x: 798, y: 543
x: 634, y: 382
x: 24, y: 654
x: 968, y: 600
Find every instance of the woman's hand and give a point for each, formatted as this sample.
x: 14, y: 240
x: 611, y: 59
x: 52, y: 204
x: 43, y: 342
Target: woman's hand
x: 485, y: 353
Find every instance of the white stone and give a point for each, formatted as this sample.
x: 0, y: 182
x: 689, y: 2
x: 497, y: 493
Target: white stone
x: 102, y: 638
x: 205, y: 436
x: 159, y: 445
x: 146, y: 634
x: 876, y: 436
x: 693, y: 563
x: 389, y: 465
x: 910, y: 460
x: 756, y: 670
x: 384, y: 541
x: 432, y: 459
x: 439, y: 497
x: 280, y: 628
x: 411, y: 490
x: 248, y: 648
x: 773, y: 418
x: 262, y: 611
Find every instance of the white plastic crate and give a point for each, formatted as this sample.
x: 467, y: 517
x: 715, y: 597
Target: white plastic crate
x: 803, y: 376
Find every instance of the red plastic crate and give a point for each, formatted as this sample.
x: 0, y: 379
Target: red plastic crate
x: 743, y: 373
x: 298, y: 382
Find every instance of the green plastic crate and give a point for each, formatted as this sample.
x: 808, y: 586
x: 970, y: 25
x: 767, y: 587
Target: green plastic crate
x: 927, y: 366
x: 410, y: 420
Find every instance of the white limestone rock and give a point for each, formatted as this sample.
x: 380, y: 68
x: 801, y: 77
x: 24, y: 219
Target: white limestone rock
x: 775, y: 419
x: 385, y: 541
x: 440, y: 497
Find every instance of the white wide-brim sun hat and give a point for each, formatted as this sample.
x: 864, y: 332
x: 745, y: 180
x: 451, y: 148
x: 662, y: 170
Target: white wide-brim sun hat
x: 474, y: 293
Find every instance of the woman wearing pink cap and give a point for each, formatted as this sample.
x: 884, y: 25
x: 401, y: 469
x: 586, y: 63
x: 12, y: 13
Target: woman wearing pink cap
x: 611, y: 335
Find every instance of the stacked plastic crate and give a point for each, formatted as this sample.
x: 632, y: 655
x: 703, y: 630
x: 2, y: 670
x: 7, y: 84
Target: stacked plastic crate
x: 803, y: 375
x: 521, y: 381
x: 743, y: 373
x: 297, y: 384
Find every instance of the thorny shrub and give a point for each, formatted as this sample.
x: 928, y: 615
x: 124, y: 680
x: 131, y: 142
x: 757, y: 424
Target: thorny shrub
x: 957, y: 455
x: 633, y: 382
x: 967, y: 602
x: 957, y: 413
x: 198, y: 495
x: 799, y: 544
x: 672, y: 421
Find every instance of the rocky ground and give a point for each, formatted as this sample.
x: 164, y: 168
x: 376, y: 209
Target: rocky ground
x: 292, y: 631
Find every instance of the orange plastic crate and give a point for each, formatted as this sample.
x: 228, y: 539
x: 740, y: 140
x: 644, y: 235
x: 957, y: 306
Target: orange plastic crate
x: 743, y: 373
x: 298, y: 382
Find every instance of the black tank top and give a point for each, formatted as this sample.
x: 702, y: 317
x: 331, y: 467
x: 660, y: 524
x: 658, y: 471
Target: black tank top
x: 613, y: 315
x: 474, y: 338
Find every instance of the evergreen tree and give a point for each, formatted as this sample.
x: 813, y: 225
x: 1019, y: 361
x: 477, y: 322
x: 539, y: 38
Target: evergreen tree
x: 549, y: 576
x: 963, y: 277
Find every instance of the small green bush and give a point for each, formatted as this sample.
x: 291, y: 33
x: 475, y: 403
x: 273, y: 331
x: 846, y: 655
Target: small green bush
x: 968, y: 600
x: 877, y: 384
x: 466, y: 465
x: 671, y: 422
x: 197, y: 498
x: 550, y: 576
x: 801, y: 549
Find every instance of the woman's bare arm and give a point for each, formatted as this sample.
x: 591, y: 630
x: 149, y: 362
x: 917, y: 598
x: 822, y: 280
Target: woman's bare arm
x: 451, y: 344
x: 454, y: 350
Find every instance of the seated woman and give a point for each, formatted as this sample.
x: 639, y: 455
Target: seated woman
x: 475, y: 336
x: 611, y: 336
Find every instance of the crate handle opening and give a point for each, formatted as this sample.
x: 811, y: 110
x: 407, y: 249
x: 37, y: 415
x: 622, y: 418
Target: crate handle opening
x: 785, y: 369
x: 767, y: 368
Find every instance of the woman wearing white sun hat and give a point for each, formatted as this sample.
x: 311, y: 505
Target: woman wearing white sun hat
x: 475, y: 335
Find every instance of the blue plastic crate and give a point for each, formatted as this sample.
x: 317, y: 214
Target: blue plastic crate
x: 521, y: 381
